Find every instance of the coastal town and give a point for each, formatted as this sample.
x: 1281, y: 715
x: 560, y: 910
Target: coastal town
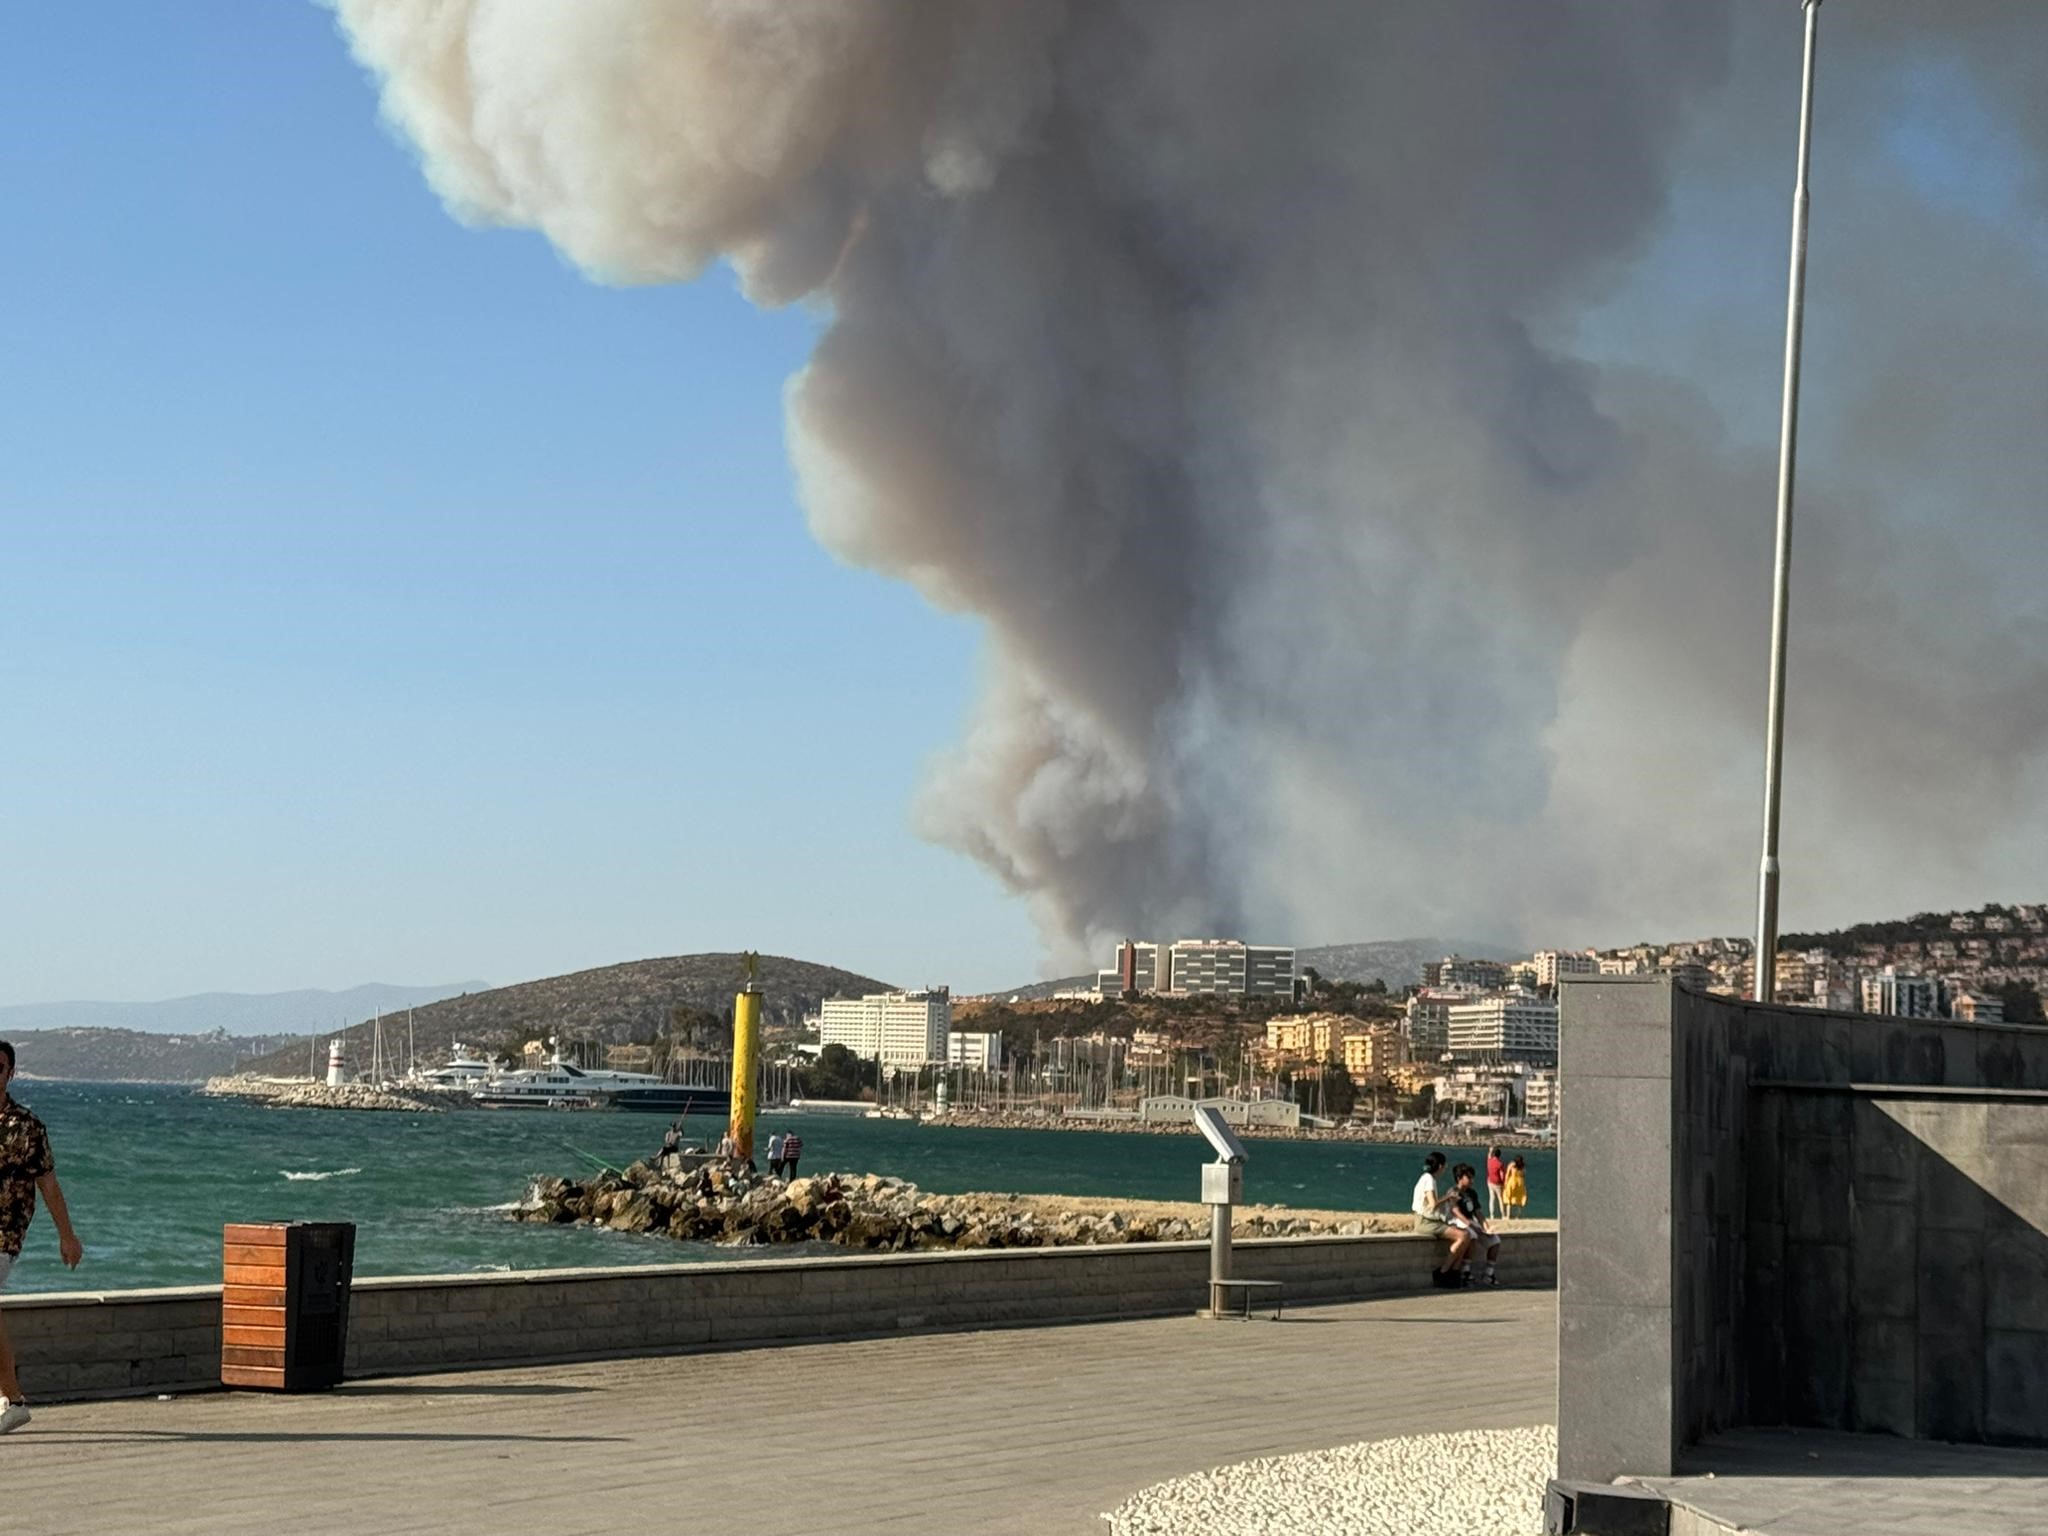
x: 1473, y: 1042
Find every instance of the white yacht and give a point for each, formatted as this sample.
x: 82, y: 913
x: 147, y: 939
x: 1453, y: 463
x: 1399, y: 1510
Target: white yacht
x: 462, y: 1073
x: 558, y: 1085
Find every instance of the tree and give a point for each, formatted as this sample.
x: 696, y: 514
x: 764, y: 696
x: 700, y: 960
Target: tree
x: 836, y: 1074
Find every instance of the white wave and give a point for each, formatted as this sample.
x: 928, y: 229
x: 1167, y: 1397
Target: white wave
x: 331, y: 1173
x: 478, y: 1210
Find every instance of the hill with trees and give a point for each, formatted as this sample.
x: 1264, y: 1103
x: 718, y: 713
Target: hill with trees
x: 682, y: 1000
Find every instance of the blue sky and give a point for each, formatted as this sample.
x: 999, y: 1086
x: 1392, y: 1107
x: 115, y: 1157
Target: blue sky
x: 381, y: 600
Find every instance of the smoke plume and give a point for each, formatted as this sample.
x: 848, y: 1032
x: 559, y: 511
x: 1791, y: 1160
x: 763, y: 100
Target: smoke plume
x: 1351, y: 423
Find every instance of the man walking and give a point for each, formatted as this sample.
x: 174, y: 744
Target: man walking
x: 792, y: 1149
x: 25, y: 1167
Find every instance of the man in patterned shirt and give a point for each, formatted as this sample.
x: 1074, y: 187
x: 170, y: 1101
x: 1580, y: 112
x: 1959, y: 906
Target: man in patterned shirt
x: 25, y: 1167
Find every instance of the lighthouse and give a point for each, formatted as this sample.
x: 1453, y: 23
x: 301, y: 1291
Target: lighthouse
x: 337, y: 1073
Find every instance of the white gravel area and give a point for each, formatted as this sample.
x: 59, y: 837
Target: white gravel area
x: 1475, y: 1481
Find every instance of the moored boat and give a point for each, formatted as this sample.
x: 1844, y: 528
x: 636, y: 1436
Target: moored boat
x: 558, y: 1085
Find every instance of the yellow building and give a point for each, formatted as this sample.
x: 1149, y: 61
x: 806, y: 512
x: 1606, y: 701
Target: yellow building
x: 1310, y: 1036
x: 1373, y: 1053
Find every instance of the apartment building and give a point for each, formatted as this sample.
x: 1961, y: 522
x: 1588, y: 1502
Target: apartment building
x: 1373, y: 1053
x: 1429, y: 1017
x: 1551, y: 964
x: 975, y: 1050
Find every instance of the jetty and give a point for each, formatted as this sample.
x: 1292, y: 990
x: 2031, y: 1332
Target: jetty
x: 305, y: 1093
x: 711, y: 1201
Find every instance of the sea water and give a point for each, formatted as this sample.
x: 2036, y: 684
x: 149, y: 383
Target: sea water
x: 152, y: 1173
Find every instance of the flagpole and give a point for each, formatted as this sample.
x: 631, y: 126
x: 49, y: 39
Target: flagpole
x: 1765, y: 965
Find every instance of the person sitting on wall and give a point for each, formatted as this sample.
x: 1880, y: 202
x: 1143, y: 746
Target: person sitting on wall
x: 1431, y: 1217
x: 1465, y: 1217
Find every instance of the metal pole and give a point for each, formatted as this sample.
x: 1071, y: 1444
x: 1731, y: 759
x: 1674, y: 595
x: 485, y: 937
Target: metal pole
x: 1219, y: 1256
x: 1788, y: 437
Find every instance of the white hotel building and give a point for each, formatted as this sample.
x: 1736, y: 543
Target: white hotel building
x: 905, y: 1029
x: 1509, y: 1026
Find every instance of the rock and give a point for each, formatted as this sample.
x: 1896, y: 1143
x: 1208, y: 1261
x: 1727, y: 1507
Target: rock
x: 632, y: 1212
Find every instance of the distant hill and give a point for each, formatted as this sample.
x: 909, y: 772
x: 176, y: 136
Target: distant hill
x: 239, y: 1013
x: 131, y: 1055
x: 1397, y: 962
x: 613, y: 1004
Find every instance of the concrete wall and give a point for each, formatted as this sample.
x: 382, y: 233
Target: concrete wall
x: 1911, y: 1225
x: 1713, y: 1205
x: 160, y: 1341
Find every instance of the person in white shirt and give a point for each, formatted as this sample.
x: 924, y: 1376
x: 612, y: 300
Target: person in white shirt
x: 1430, y: 1217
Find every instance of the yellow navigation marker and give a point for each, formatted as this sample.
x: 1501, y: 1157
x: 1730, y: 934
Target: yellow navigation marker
x: 746, y: 1059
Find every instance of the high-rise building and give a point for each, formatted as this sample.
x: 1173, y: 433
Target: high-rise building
x: 1511, y: 1026
x: 1199, y: 967
x: 1232, y: 968
x: 901, y: 1028
x: 1550, y: 964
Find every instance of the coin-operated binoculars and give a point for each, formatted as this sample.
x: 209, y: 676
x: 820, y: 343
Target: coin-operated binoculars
x: 1222, y: 1188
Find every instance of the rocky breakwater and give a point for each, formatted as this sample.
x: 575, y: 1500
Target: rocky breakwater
x: 725, y: 1204
x: 300, y: 1093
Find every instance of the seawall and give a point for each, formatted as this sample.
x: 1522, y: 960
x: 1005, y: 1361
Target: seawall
x: 123, y: 1343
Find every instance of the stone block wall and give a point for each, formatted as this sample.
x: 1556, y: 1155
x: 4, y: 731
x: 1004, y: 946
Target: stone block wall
x: 160, y: 1341
x: 1912, y: 1226
x: 1718, y: 1209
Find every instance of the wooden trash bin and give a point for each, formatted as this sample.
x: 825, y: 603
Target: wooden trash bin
x: 284, y: 1303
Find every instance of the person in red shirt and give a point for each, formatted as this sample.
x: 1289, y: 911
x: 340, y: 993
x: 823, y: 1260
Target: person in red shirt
x: 25, y: 1167
x: 1496, y: 1177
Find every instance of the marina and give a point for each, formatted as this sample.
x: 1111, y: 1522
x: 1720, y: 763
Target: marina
x: 431, y: 1193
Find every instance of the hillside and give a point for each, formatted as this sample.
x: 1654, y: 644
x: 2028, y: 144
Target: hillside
x: 239, y: 1013
x: 613, y: 1004
x: 132, y: 1055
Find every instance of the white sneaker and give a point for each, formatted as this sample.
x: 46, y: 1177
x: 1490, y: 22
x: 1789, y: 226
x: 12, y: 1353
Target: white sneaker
x: 12, y: 1415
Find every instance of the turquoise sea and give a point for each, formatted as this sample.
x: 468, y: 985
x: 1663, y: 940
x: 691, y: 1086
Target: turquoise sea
x: 153, y: 1172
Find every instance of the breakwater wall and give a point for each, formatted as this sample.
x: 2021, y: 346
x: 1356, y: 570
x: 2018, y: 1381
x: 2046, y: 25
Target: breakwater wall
x: 970, y: 1118
x: 124, y: 1343
x: 302, y: 1093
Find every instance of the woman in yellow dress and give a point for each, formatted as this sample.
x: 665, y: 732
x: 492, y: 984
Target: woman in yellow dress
x: 1515, y: 1191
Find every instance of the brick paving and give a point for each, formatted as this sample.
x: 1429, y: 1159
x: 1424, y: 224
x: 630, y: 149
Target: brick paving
x: 1034, y: 1430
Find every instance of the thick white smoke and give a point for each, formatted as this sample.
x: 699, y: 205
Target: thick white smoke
x: 1224, y: 359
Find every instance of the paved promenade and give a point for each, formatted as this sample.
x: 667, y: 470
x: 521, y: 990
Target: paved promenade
x: 1804, y: 1482
x: 1030, y: 1430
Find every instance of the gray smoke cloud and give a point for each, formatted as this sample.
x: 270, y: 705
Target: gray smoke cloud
x: 1348, y: 469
